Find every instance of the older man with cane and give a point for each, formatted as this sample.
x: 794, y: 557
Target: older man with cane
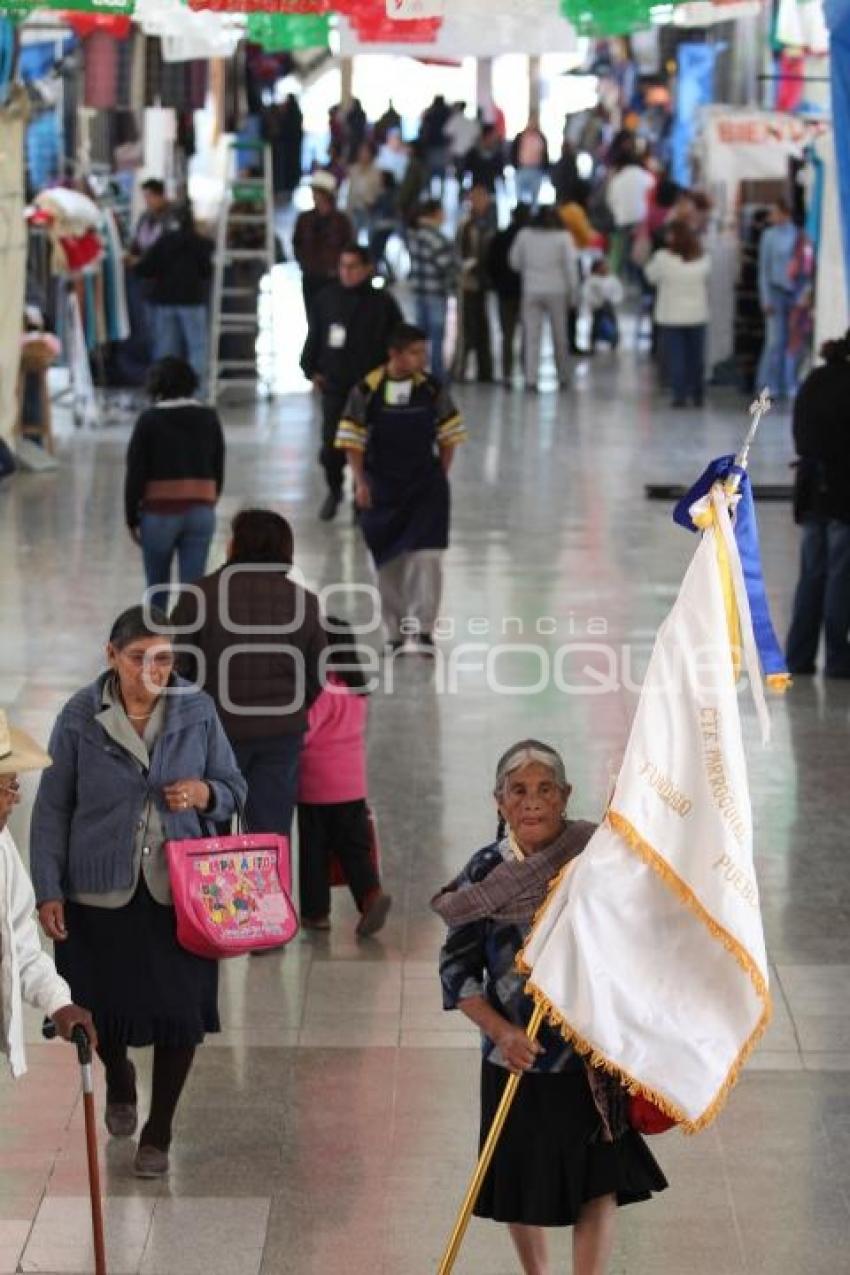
x: 27, y: 975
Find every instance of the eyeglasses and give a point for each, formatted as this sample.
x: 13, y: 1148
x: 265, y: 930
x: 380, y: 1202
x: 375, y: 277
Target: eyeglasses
x: 139, y: 659
x: 11, y: 786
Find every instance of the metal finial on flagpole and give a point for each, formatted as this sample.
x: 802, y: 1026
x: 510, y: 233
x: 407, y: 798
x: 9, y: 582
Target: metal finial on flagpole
x: 758, y: 410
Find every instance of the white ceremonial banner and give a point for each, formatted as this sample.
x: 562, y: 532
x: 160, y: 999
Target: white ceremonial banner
x: 650, y: 951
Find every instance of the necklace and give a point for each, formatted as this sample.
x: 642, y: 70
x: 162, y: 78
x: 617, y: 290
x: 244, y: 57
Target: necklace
x: 139, y: 717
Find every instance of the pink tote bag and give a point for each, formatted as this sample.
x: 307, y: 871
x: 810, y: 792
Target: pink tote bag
x: 232, y: 894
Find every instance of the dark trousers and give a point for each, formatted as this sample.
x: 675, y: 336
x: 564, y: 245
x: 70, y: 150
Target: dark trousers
x: 475, y: 336
x: 822, y: 599
x: 572, y: 328
x: 311, y: 286
x: 341, y: 831
x: 684, y: 355
x: 331, y: 458
x: 171, y: 1067
x: 508, y: 322
x: 270, y: 767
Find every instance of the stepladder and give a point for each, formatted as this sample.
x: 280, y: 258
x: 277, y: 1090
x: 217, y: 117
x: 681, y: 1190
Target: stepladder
x: 241, y: 311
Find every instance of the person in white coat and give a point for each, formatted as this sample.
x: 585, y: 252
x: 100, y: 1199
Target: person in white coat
x: 545, y: 258
x: 27, y: 975
x: 679, y: 272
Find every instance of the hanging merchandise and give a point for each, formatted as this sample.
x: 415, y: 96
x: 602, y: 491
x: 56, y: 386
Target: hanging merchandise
x: 7, y: 56
x: 379, y: 29
x: 85, y: 24
x: 369, y: 20
x: 293, y: 8
x: 94, y: 7
x: 800, y: 25
x: 617, y: 17
x: 100, y: 71
x: 411, y: 10
x: 285, y: 33
x: 13, y: 251
x: 473, y: 29
x: 792, y: 78
x: 73, y: 219
x: 695, y: 89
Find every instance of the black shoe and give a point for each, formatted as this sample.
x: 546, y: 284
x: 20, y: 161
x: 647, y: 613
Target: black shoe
x: 331, y: 503
x: 425, y: 645
x: 390, y: 648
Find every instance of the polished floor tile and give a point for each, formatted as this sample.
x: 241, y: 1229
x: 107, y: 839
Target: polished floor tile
x: 331, y: 1128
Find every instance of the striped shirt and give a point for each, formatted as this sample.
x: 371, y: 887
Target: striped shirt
x: 433, y: 265
x: 373, y: 395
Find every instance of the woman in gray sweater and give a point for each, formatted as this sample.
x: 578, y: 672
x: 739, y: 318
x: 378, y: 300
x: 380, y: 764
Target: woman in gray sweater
x: 545, y: 258
x: 139, y: 757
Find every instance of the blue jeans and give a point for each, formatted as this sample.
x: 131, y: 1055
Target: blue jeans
x: 776, y: 367
x: 431, y: 318
x: 528, y: 183
x: 188, y: 535
x: 822, y: 599
x: 270, y: 767
x: 684, y: 355
x: 181, y: 331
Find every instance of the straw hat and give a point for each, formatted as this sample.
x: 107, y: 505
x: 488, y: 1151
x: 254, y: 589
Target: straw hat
x: 18, y: 751
x: 324, y: 181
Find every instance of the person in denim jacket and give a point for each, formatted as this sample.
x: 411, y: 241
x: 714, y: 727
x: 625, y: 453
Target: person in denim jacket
x: 139, y: 758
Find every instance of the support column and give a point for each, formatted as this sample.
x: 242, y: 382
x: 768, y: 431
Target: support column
x: 346, y: 92
x: 484, y: 82
x: 534, y: 86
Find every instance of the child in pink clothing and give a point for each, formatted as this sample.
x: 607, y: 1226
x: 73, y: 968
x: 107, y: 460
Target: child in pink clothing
x: 333, y: 818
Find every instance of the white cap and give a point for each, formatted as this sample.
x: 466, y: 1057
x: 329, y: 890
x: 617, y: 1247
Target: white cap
x: 323, y: 180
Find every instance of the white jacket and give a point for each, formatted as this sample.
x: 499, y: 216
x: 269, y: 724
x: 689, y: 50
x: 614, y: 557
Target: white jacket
x: 682, y: 297
x: 546, y: 261
x: 628, y: 195
x: 26, y: 973
x: 603, y: 289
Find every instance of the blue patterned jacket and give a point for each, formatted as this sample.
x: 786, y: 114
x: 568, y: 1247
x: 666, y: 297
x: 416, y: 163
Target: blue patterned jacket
x: 478, y: 959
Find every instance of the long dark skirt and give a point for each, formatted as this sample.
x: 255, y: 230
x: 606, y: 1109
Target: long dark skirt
x: 126, y: 966
x: 551, y: 1159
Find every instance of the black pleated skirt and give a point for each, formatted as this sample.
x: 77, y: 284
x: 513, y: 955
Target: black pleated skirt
x: 126, y: 966
x: 551, y: 1158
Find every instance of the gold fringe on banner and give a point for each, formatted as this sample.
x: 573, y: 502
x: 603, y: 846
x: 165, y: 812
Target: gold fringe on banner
x: 651, y: 857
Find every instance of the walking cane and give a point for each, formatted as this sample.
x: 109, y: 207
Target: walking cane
x: 474, y: 1189
x: 80, y: 1038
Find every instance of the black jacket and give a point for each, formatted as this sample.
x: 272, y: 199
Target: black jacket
x: 484, y: 167
x: 274, y: 686
x: 183, y: 441
x: 822, y: 439
x: 362, y: 319
x: 505, y: 280
x: 179, y: 266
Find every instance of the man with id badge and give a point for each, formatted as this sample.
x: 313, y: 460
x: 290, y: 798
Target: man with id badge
x: 350, y: 324
x: 399, y: 432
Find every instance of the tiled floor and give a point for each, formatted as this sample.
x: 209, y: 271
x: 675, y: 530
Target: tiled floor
x: 331, y: 1127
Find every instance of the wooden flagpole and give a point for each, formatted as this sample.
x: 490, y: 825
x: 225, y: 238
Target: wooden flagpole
x: 758, y: 410
x: 474, y: 1189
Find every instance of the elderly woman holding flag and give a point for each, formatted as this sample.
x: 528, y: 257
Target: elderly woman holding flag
x: 567, y: 1156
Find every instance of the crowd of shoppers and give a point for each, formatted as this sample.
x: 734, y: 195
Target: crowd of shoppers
x: 259, y: 730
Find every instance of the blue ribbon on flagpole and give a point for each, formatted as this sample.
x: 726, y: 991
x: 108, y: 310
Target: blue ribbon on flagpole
x: 747, y: 538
